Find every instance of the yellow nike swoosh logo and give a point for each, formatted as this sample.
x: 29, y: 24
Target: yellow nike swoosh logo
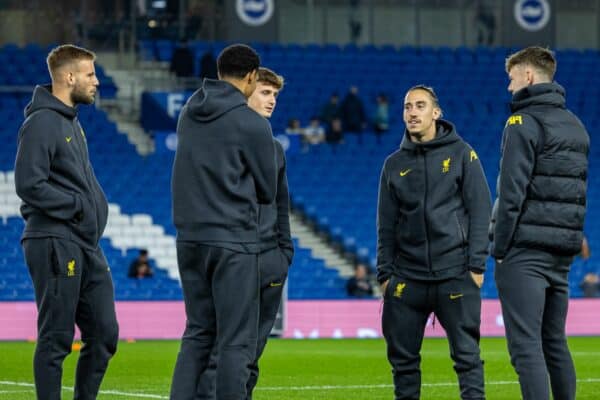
x: 406, y: 171
x: 455, y: 296
x: 68, y: 139
x: 275, y: 284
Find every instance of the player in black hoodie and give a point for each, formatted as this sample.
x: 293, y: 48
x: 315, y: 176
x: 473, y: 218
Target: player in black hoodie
x: 433, y: 213
x: 224, y: 168
x: 65, y: 212
x: 276, y: 248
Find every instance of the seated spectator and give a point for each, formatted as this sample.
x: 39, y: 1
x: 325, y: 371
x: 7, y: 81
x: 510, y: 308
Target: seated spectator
x: 381, y: 117
x: 352, y: 112
x: 140, y: 267
x: 294, y: 127
x: 334, y: 133
x: 314, y: 133
x: 182, y: 62
x: 331, y: 110
x: 590, y: 285
x: 359, y: 285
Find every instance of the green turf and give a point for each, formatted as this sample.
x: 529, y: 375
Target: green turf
x: 308, y: 369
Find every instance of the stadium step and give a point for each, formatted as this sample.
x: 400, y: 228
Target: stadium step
x: 136, y: 135
x: 320, y: 249
x: 124, y: 110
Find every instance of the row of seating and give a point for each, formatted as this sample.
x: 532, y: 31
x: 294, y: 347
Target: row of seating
x: 336, y: 186
x: 24, y: 66
x: 140, y: 213
x: 162, y: 50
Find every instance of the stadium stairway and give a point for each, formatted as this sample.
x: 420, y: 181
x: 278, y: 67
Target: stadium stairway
x: 124, y: 109
x: 139, y: 200
x: 471, y: 84
x: 132, y: 81
x: 307, y: 238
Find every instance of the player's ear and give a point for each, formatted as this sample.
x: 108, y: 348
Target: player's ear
x: 437, y: 113
x: 252, y: 76
x: 530, y: 75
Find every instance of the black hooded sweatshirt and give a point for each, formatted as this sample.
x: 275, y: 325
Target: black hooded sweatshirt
x: 434, y: 209
x: 54, y: 177
x: 224, y: 168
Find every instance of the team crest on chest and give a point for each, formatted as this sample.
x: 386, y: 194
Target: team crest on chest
x: 446, y: 165
x: 71, y: 268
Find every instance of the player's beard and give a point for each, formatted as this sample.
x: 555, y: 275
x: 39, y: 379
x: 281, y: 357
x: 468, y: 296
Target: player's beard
x: 80, y: 96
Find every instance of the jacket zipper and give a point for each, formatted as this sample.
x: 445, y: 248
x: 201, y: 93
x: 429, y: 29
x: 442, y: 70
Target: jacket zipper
x: 427, y: 247
x: 463, y: 235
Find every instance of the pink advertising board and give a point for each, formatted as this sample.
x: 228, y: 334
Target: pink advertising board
x: 362, y: 318
x: 304, y: 319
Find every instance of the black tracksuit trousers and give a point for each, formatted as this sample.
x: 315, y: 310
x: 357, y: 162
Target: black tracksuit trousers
x: 456, y: 303
x: 534, y: 292
x: 273, y: 268
x: 73, y: 285
x: 220, y: 289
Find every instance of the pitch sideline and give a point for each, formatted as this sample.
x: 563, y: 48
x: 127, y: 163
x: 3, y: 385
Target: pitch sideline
x: 295, y: 388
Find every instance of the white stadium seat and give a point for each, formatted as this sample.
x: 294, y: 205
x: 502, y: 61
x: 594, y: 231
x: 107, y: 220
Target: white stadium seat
x: 158, y: 252
x: 112, y: 231
x: 119, y: 220
x: 12, y: 198
x: 165, y: 241
x: 132, y: 231
x: 166, y: 262
x: 122, y: 242
x: 143, y: 242
x: 114, y: 209
x: 155, y: 230
x: 141, y: 219
x: 7, y: 189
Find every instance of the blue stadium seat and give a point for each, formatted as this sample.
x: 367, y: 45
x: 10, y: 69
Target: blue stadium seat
x: 336, y: 187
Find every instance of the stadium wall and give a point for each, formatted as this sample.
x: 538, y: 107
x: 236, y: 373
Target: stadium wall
x: 304, y: 319
x: 448, y: 23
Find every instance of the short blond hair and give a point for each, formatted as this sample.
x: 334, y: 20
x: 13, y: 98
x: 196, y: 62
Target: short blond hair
x: 266, y: 76
x: 66, y: 54
x: 538, y: 57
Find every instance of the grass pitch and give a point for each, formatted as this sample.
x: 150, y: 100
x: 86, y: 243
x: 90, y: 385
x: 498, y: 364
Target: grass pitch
x: 300, y: 369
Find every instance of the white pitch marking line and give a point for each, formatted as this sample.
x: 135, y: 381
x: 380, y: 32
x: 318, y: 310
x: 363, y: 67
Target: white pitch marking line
x: 14, y: 391
x: 282, y: 388
x: 112, y: 392
x: 385, y: 386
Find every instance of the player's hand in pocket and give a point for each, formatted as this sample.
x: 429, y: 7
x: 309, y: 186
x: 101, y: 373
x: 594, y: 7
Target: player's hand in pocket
x: 477, y: 278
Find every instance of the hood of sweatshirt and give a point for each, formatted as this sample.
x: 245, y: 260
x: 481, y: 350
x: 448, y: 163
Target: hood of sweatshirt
x: 44, y: 99
x: 214, y: 99
x: 445, y: 134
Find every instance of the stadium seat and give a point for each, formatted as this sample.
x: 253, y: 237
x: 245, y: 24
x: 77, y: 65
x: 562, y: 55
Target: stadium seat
x: 335, y: 187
